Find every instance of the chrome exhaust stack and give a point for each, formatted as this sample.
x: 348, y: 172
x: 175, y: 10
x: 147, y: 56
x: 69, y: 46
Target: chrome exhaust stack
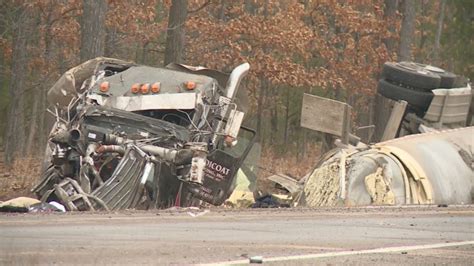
x: 235, y: 78
x: 226, y: 101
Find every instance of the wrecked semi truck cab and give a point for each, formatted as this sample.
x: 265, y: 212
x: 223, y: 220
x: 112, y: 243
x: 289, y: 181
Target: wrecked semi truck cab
x: 131, y: 136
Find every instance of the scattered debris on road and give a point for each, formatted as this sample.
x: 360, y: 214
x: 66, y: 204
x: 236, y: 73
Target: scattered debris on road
x: 20, y: 204
x: 256, y: 259
x: 25, y: 204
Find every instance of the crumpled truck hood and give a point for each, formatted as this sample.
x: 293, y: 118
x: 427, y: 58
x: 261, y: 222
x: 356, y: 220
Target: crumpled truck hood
x: 69, y: 84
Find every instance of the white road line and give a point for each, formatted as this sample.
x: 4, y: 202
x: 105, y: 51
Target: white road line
x: 347, y: 253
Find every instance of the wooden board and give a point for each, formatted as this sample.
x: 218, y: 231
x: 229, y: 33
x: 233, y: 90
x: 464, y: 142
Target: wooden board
x: 394, y: 121
x: 383, y: 109
x: 324, y: 115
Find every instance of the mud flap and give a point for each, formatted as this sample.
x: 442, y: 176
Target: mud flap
x: 219, y: 174
x: 221, y: 169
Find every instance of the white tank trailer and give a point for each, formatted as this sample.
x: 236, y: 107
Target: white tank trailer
x: 430, y: 168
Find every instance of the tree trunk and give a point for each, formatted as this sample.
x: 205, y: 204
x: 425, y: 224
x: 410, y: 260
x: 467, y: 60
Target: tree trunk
x: 175, y: 35
x: 35, y: 100
x: 390, y: 13
x: 250, y: 7
x: 274, y: 122
x: 110, y: 41
x: 3, y: 83
x: 15, y: 131
x: 93, y: 29
x: 222, y: 8
x: 287, y: 119
x: 35, y: 116
x: 260, y: 102
x: 44, y: 123
x: 439, y: 30
x: 420, y: 56
x: 327, y: 142
x: 408, y: 30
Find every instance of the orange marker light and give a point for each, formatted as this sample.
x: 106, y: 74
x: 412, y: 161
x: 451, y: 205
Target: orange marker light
x: 145, y: 88
x: 155, y: 88
x: 104, y: 86
x: 135, y: 88
x: 190, y: 85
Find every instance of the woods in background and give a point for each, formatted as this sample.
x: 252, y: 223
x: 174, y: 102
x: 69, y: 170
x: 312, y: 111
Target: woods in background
x: 329, y: 48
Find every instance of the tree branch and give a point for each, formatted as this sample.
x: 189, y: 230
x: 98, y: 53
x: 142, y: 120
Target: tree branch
x: 62, y: 16
x: 200, y: 8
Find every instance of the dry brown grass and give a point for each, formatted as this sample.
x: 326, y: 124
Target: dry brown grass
x: 288, y: 164
x: 24, y: 174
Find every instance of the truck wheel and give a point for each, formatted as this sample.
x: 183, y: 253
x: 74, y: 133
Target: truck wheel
x: 410, y: 74
x: 415, y: 98
x: 448, y: 79
x: 460, y: 82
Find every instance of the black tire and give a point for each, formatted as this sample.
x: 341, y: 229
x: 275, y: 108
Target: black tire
x: 410, y: 74
x: 460, y: 82
x: 420, y: 100
x: 448, y: 79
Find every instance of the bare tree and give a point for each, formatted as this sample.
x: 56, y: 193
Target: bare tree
x: 93, y: 29
x: 439, y: 30
x: 390, y: 13
x: 37, y: 132
x: 15, y: 131
x: 222, y: 8
x: 176, y: 32
x: 408, y: 30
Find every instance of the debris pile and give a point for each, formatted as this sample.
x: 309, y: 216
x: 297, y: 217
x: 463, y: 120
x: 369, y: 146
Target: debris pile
x: 136, y: 137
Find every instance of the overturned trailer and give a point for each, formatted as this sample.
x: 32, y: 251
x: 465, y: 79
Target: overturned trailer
x: 430, y: 168
x: 133, y: 136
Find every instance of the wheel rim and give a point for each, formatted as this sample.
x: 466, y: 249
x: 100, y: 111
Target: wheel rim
x: 434, y: 69
x: 417, y: 67
x: 409, y: 66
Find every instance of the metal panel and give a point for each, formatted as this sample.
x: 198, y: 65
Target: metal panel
x: 154, y: 102
x: 446, y: 160
x: 449, y: 105
x: 325, y: 115
x: 123, y: 189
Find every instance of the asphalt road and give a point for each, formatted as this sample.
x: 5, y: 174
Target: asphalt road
x: 361, y: 236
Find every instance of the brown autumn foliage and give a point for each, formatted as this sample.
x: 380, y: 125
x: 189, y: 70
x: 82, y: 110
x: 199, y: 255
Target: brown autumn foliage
x: 326, y: 47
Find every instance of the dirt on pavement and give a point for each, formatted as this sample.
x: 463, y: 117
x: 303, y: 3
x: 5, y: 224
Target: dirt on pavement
x: 189, y: 236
